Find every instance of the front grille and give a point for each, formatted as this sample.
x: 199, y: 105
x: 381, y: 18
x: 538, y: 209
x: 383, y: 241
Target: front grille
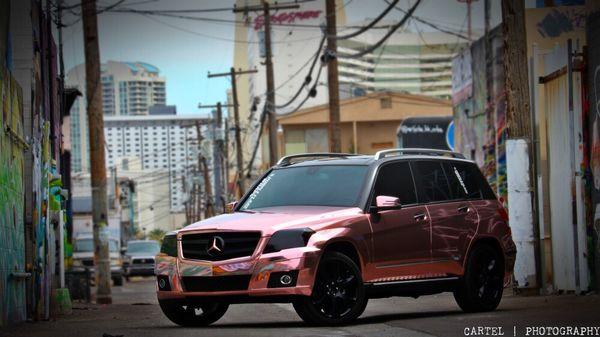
x: 231, y: 245
x: 88, y: 263
x: 142, y: 261
x: 216, y: 283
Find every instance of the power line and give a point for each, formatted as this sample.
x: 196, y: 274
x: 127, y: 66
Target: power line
x: 388, y: 34
x: 308, y: 77
x: 427, y: 23
x: 370, y: 25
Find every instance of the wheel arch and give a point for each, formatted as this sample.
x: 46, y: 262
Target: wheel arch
x: 347, y: 248
x: 488, y: 241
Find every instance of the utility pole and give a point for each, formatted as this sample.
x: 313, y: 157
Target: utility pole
x: 335, y: 144
x: 272, y: 124
x: 202, y: 165
x: 97, y: 160
x: 521, y: 140
x: 218, y: 149
x: 236, y: 115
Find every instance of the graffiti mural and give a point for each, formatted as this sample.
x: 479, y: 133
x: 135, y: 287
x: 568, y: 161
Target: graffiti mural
x: 593, y: 76
x: 12, y: 200
x: 480, y: 132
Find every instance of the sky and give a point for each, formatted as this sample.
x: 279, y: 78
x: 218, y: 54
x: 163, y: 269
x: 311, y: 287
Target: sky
x: 186, y: 50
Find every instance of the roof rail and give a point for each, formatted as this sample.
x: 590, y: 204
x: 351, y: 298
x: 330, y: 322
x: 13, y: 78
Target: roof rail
x: 429, y: 152
x: 287, y: 160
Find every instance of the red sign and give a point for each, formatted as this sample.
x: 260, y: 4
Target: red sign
x: 286, y: 17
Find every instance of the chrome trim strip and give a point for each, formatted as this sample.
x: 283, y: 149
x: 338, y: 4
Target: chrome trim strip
x: 410, y: 263
x: 454, y: 278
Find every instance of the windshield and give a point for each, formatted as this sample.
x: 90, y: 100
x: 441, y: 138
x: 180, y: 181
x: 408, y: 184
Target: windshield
x: 87, y: 245
x: 150, y: 248
x: 325, y: 185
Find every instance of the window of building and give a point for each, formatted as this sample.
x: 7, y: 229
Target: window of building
x: 385, y: 102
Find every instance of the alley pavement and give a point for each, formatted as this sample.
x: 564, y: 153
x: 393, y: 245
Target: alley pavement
x: 135, y: 312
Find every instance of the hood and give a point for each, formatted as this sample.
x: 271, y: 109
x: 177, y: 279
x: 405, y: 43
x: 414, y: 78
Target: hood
x: 141, y: 256
x: 271, y: 219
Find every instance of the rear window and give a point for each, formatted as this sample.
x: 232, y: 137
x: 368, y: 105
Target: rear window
x: 468, y: 180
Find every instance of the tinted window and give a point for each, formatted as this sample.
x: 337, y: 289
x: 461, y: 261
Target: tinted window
x: 475, y: 184
x: 456, y: 181
x: 395, y: 180
x: 325, y: 185
x: 432, y: 185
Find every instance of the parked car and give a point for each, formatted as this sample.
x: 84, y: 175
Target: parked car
x: 83, y: 257
x: 327, y: 232
x: 138, y: 259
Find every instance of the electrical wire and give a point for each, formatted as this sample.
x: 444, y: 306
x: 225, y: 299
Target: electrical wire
x: 308, y: 77
x: 434, y: 26
x: 370, y: 25
x: 388, y: 34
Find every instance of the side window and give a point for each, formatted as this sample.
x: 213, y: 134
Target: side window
x: 457, y: 180
x: 432, y: 185
x: 395, y: 180
x: 473, y: 181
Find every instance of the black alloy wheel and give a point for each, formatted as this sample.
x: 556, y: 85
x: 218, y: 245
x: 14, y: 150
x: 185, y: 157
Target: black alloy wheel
x: 482, y: 284
x: 192, y: 314
x: 338, y: 293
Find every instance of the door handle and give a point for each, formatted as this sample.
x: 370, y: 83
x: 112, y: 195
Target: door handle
x: 463, y: 209
x: 420, y: 217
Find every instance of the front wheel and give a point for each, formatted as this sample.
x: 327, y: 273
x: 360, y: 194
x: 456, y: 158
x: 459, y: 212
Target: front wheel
x: 186, y: 314
x: 338, y: 295
x: 482, y: 284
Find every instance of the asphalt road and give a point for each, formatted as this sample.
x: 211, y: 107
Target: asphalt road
x: 135, y: 313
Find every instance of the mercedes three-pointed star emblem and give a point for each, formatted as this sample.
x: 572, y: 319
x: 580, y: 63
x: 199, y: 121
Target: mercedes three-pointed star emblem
x: 216, y: 247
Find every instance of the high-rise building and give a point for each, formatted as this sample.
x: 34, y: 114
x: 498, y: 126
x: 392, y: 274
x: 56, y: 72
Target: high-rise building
x: 410, y: 62
x: 295, y: 39
x: 157, y: 142
x: 128, y: 88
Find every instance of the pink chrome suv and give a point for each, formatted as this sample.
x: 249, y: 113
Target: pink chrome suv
x: 327, y: 232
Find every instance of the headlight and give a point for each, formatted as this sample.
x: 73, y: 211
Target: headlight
x: 169, y: 245
x: 77, y: 263
x: 116, y: 262
x: 288, y: 238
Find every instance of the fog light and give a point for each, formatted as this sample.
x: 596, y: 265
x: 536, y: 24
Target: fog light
x: 163, y: 283
x: 283, y: 279
x: 286, y: 280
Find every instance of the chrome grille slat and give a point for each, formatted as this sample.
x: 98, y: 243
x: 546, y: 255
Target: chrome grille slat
x: 236, y: 245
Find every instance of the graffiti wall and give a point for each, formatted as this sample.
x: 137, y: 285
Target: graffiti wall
x: 481, y: 127
x: 12, y: 199
x: 593, y: 79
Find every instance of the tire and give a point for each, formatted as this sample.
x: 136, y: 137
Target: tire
x: 480, y: 288
x: 338, y: 295
x: 190, y: 315
x: 118, y: 281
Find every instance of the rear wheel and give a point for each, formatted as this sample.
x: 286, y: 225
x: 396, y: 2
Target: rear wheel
x: 186, y: 314
x: 338, y: 295
x: 482, y: 284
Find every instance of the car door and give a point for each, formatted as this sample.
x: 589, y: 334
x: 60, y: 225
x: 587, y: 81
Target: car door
x: 453, y: 218
x: 401, y: 237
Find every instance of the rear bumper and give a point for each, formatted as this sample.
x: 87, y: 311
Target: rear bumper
x: 257, y: 270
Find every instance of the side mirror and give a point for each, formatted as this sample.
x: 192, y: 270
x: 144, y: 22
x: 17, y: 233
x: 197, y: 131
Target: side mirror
x: 229, y: 207
x: 385, y: 202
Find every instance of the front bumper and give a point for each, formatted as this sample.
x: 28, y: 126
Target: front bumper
x: 139, y: 269
x: 115, y: 271
x: 259, y: 268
